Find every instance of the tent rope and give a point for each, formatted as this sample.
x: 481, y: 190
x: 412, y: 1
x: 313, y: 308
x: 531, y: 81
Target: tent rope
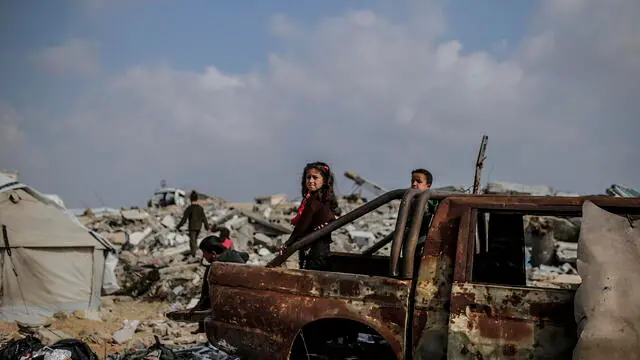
x: 13, y: 267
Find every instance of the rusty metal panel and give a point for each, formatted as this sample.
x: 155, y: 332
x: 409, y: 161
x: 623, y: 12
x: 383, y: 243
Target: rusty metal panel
x: 271, y: 305
x: 543, y: 203
x: 495, y: 322
x: 433, y: 287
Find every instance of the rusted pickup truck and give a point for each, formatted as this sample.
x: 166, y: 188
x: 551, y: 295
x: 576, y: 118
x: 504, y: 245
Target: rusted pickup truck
x: 464, y: 295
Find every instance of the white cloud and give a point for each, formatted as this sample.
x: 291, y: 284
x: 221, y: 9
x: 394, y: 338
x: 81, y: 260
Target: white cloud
x: 11, y: 136
x: 76, y: 57
x: 380, y: 97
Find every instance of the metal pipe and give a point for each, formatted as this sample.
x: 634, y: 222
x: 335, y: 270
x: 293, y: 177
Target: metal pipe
x: 401, y: 222
x: 439, y: 195
x: 339, y: 222
x: 412, y: 240
x: 379, y: 245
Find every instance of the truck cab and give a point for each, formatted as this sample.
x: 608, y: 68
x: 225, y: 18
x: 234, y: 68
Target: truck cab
x: 463, y: 295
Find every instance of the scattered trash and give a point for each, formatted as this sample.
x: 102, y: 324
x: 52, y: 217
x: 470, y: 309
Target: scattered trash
x: 18, y: 348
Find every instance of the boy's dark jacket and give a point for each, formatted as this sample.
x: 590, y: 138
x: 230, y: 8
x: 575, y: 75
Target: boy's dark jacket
x: 227, y: 256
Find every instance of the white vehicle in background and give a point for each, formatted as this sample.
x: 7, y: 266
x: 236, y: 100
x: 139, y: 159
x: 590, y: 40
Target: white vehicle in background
x: 168, y: 196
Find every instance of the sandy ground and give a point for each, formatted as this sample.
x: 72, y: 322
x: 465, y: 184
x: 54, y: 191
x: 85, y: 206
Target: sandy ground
x: 98, y: 334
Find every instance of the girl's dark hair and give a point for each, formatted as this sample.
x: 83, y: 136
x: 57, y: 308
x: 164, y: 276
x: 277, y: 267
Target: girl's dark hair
x: 327, y: 193
x: 212, y: 244
x: 193, y: 196
x: 224, y: 233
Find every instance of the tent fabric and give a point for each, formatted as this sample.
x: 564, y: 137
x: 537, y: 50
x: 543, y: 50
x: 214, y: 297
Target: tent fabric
x: 48, y: 260
x: 30, y: 223
x: 48, y: 280
x: 607, y: 304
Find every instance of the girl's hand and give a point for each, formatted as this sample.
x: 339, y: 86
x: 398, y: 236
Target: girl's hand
x: 320, y: 226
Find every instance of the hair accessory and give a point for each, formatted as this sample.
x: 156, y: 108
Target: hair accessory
x: 326, y: 168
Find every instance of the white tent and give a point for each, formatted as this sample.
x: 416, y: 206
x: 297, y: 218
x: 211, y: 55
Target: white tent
x: 49, y: 261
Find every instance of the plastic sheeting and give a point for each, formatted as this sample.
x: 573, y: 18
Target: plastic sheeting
x: 607, y: 303
x: 109, y: 280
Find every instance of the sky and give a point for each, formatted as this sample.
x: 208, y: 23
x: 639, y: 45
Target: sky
x: 100, y: 100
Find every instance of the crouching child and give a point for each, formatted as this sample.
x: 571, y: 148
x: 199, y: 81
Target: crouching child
x: 214, y: 249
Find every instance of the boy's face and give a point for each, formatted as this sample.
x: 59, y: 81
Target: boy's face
x: 419, y: 181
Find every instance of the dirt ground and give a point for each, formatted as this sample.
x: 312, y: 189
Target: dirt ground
x: 98, y: 334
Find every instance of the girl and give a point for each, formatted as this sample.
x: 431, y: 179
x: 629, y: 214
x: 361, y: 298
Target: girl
x: 316, y: 209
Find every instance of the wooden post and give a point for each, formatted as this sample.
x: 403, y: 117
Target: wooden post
x: 479, y: 164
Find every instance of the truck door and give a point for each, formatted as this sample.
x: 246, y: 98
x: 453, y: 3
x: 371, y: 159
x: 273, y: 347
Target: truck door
x: 494, y: 314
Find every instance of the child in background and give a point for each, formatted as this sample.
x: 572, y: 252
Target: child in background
x: 225, y: 236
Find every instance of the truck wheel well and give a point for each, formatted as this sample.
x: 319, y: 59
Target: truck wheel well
x: 337, y: 338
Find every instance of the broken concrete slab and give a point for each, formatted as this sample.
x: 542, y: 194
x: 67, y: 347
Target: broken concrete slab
x: 126, y: 332
x: 138, y: 236
x: 168, y: 221
x: 134, y: 215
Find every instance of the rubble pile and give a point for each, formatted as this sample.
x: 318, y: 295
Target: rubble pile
x: 153, y: 257
x: 552, y: 248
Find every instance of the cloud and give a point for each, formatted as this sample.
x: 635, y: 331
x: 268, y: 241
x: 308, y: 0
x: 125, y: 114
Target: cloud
x: 367, y: 92
x: 11, y: 136
x: 75, y: 57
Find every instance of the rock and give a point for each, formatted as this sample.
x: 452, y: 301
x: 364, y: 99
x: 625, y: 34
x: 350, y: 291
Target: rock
x: 264, y: 252
x: 119, y: 238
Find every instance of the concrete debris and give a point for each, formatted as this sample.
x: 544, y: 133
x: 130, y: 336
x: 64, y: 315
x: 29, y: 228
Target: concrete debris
x: 169, y: 222
x: 126, y: 332
x: 134, y: 215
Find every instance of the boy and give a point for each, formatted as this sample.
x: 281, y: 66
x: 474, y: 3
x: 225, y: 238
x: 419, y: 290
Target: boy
x: 213, y: 250
x: 195, y: 213
x: 422, y: 179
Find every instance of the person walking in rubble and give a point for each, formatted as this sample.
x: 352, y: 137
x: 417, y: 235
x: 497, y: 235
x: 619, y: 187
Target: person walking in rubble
x: 213, y: 249
x: 316, y: 209
x: 195, y: 214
